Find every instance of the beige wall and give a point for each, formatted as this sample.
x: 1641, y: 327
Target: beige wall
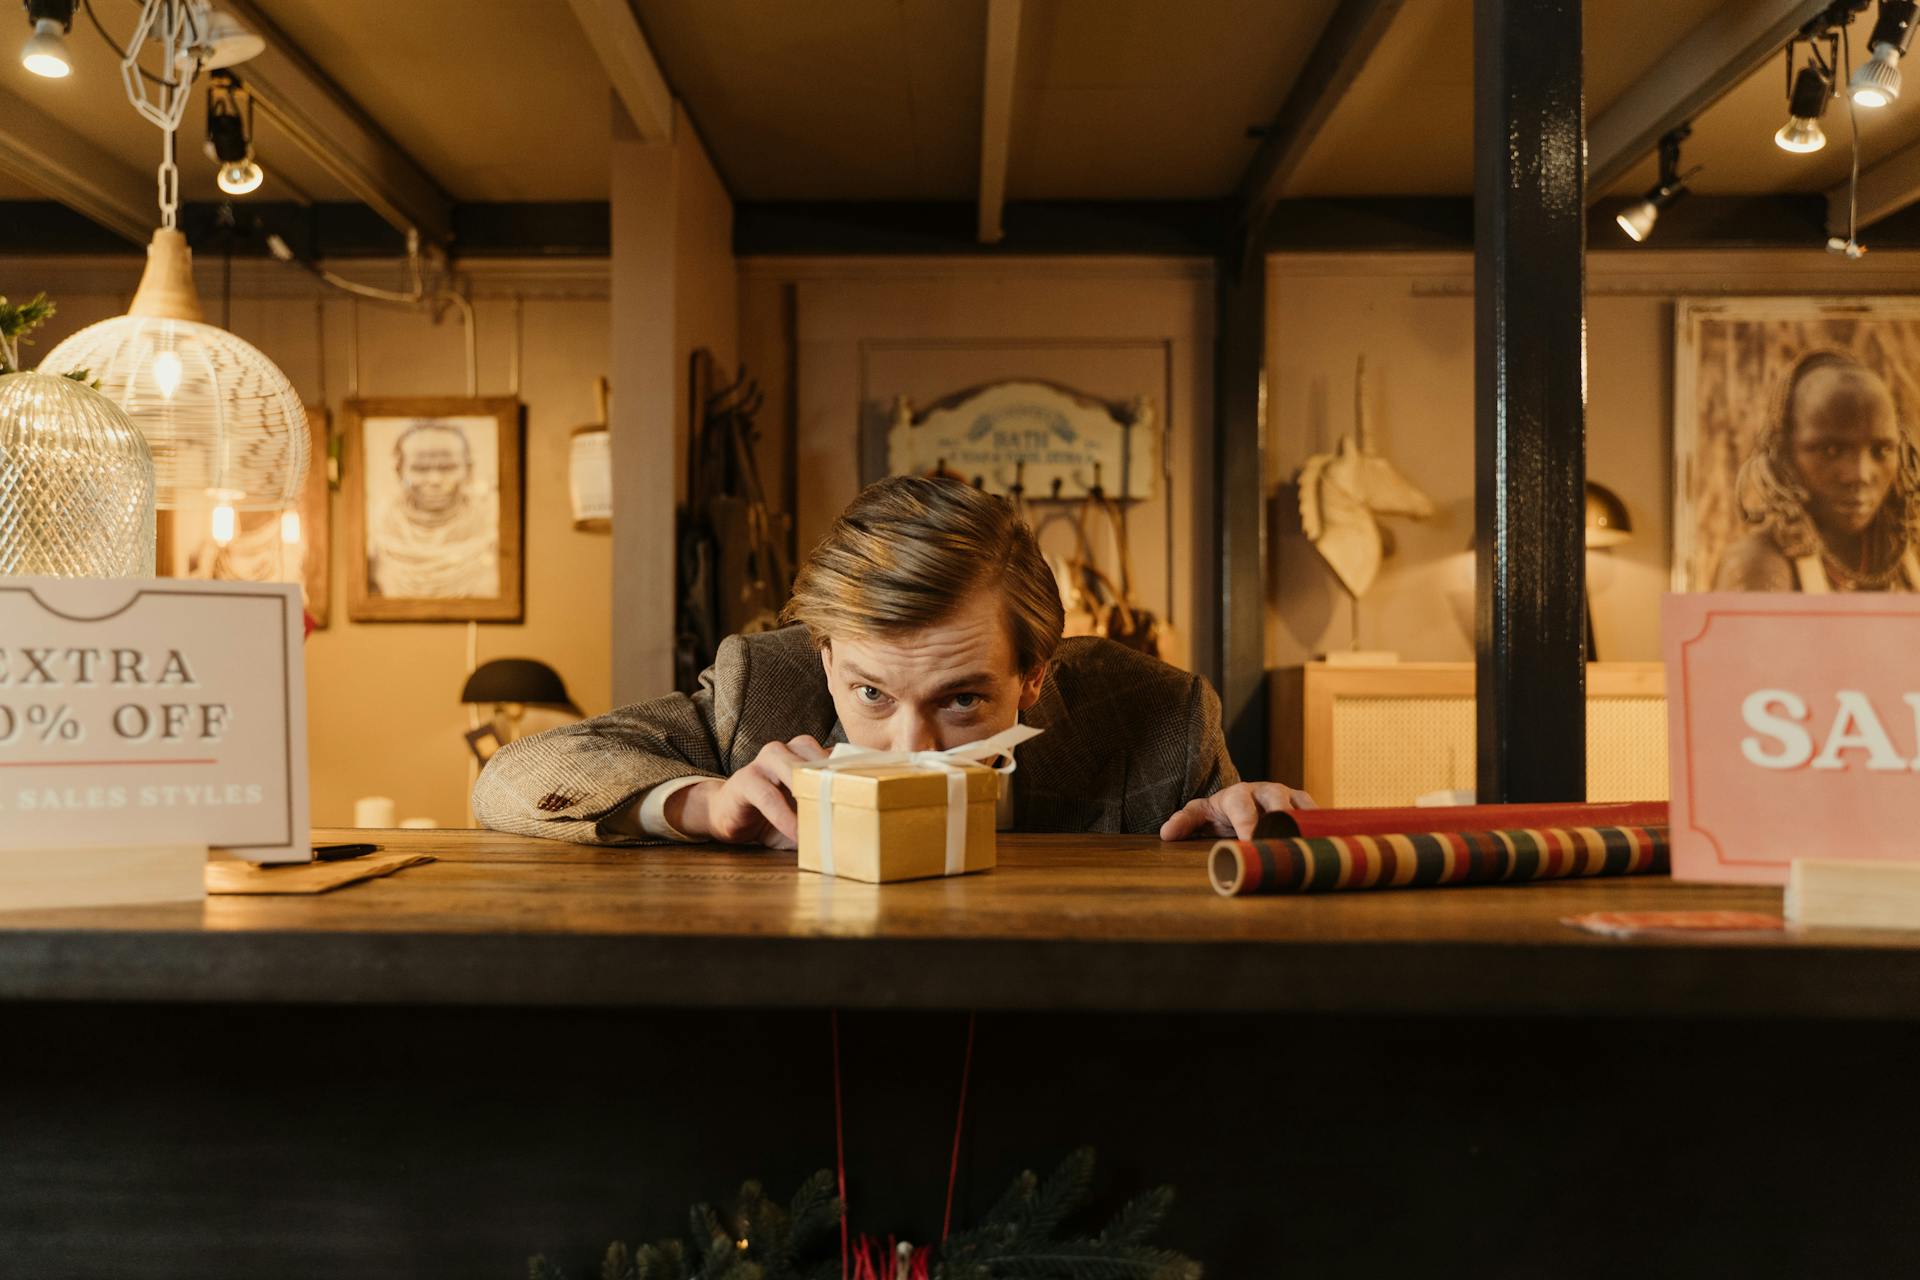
x: 383, y: 698
x: 674, y: 289
x: 842, y: 337
x: 1412, y: 317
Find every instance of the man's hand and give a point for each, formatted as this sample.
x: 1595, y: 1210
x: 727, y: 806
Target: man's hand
x: 754, y: 806
x: 1232, y: 811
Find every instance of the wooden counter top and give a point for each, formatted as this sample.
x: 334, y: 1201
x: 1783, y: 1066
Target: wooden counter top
x: 1068, y: 922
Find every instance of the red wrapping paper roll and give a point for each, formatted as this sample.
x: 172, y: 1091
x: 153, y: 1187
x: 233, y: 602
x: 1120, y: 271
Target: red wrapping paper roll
x: 1328, y: 864
x: 1466, y: 817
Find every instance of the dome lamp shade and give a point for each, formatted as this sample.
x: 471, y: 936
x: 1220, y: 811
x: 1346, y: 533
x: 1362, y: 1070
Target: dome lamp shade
x: 1608, y: 524
x: 527, y: 681
x: 221, y: 418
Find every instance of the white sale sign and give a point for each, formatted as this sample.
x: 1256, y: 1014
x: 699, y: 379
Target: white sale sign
x: 151, y: 711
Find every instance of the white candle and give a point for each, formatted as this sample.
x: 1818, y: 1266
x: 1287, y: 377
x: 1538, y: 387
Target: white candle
x: 373, y: 811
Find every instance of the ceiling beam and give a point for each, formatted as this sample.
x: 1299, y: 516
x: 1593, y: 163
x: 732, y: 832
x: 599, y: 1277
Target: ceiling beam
x: 1885, y: 189
x: 45, y: 154
x: 996, y: 114
x: 340, y: 136
x: 1345, y: 44
x: 615, y: 35
x: 1690, y: 77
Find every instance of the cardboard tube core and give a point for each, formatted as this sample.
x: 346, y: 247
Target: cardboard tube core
x: 1226, y: 867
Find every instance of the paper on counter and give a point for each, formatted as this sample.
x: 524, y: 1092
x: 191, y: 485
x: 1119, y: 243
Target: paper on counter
x: 234, y: 876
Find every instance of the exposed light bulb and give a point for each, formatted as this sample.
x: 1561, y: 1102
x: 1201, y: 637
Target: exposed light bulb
x: 1637, y: 219
x: 223, y: 522
x: 167, y: 372
x: 45, y: 52
x: 1805, y: 105
x: 1800, y: 136
x: 239, y: 179
x: 290, y: 527
x: 1876, y: 82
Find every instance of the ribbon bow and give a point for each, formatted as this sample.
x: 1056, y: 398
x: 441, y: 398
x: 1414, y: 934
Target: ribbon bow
x: 847, y: 756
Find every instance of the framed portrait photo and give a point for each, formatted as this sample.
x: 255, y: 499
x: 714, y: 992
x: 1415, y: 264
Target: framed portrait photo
x: 433, y: 509
x: 293, y: 545
x: 1795, y: 465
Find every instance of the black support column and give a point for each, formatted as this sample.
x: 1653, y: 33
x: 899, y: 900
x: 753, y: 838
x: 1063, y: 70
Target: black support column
x: 1530, y: 398
x: 1239, y: 661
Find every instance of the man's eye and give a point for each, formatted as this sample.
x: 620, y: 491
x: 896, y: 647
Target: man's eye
x: 966, y: 701
x: 868, y: 694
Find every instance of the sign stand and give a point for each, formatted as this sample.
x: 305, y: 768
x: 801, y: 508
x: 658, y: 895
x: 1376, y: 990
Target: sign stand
x: 102, y: 875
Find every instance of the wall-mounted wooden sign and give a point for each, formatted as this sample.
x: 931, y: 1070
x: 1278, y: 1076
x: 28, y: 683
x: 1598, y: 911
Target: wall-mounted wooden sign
x: 1055, y: 442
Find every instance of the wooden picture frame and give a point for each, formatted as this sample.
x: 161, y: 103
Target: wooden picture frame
x: 184, y: 547
x: 411, y: 557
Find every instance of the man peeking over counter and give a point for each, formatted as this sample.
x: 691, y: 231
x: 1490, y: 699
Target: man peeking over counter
x: 926, y: 619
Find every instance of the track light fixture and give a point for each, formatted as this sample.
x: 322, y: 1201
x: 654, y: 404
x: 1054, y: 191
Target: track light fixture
x: 1637, y: 219
x: 1877, y: 81
x: 1806, y: 104
x: 211, y: 38
x: 45, y: 52
x: 230, y: 134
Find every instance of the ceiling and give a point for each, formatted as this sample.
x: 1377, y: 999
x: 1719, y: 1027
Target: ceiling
x: 506, y: 100
x: 496, y: 99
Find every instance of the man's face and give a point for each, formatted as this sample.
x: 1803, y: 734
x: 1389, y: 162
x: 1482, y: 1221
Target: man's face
x: 433, y: 467
x: 1846, y: 446
x: 942, y: 686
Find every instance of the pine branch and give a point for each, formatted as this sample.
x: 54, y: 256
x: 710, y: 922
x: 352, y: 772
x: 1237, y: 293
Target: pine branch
x: 1016, y: 1238
x: 1139, y: 1218
x: 1067, y: 1189
x: 813, y: 1214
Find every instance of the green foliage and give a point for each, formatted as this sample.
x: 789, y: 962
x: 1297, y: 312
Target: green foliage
x: 1018, y: 1239
x: 767, y: 1242
x: 16, y: 322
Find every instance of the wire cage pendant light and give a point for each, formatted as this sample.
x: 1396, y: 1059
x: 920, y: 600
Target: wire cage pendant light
x: 221, y: 419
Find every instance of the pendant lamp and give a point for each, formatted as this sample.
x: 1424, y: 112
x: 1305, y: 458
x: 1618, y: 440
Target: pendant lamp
x: 221, y: 419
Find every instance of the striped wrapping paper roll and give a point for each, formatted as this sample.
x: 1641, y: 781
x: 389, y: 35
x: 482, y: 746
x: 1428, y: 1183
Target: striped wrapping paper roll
x: 1324, y: 864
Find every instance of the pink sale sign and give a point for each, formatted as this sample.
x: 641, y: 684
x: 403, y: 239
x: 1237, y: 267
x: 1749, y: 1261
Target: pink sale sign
x: 1794, y: 731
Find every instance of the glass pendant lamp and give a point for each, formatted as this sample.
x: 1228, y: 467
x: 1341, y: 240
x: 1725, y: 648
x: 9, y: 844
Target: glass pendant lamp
x: 76, y: 482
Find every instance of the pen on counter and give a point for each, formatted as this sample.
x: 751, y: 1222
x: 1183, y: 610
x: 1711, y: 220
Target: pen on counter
x: 341, y: 852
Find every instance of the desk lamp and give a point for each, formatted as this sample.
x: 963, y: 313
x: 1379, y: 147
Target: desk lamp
x: 512, y: 685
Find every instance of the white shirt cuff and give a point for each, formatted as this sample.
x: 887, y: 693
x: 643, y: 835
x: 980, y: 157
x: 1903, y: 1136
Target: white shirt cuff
x: 653, y: 810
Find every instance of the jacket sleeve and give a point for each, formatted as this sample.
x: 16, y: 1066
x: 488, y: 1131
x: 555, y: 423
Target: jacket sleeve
x: 566, y: 783
x: 1209, y: 767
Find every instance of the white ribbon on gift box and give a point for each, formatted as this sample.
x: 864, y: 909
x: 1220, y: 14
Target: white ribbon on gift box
x: 847, y: 756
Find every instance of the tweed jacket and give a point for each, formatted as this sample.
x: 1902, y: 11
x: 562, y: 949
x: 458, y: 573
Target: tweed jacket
x: 1127, y: 740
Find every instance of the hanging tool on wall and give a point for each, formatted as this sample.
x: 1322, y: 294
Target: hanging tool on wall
x: 1108, y: 598
x: 733, y: 574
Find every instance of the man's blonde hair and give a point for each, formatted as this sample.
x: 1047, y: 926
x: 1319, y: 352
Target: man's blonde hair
x: 909, y: 549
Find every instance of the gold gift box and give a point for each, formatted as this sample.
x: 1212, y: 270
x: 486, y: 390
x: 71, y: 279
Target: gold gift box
x: 890, y: 821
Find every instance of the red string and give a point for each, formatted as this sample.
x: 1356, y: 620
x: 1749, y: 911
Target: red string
x: 839, y: 1142
x: 959, y: 1121
x: 866, y: 1266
